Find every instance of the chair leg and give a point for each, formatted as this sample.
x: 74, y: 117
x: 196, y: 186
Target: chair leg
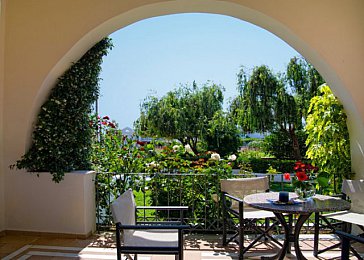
x: 266, y: 227
x: 345, y: 246
x: 316, y: 234
x: 224, y: 224
x: 118, y: 241
x: 241, y: 232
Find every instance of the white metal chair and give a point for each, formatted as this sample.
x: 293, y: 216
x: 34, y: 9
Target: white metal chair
x: 147, y: 237
x: 354, y: 191
x: 234, y: 209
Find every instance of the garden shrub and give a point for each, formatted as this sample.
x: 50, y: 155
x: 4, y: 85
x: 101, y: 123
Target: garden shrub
x: 261, y: 165
x: 279, y: 144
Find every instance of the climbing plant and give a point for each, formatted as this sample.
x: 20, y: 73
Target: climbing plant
x: 62, y: 137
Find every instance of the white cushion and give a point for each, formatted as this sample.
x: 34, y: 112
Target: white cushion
x: 123, y: 208
x: 152, y: 238
x: 347, y: 216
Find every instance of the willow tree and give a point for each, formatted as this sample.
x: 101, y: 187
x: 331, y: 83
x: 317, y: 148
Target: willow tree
x: 183, y: 114
x: 304, y: 81
x: 276, y: 103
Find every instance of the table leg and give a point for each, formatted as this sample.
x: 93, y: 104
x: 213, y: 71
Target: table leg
x: 289, y: 237
x: 287, y: 233
x: 297, y: 230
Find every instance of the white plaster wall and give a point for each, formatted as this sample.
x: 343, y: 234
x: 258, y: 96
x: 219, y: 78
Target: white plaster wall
x: 40, y: 205
x: 43, y: 37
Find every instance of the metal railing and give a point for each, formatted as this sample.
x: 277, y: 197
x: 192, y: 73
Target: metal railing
x: 200, y: 192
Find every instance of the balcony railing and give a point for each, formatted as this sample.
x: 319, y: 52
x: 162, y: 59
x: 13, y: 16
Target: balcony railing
x: 200, y: 192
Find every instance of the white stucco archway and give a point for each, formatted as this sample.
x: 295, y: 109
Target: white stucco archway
x: 40, y: 38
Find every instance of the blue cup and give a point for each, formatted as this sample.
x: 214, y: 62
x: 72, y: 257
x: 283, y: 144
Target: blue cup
x: 283, y: 196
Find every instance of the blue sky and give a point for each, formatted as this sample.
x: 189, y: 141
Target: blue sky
x: 156, y: 55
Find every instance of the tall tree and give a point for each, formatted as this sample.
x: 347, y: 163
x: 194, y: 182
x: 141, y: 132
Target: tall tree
x: 254, y: 106
x: 222, y: 135
x: 269, y: 102
x: 183, y: 114
x: 304, y: 81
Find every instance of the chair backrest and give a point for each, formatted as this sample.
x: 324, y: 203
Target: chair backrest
x: 241, y: 187
x: 123, y: 208
x: 354, y: 189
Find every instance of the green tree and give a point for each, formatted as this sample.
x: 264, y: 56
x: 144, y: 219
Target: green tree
x: 304, y: 81
x: 183, y: 114
x: 276, y: 103
x: 328, y: 138
x: 222, y: 135
x: 253, y: 108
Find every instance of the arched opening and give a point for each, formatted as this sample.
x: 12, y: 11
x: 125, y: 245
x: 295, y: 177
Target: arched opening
x: 266, y: 21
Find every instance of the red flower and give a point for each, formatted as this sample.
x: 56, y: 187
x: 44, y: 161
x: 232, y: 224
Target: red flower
x: 140, y: 143
x: 287, y: 176
x: 301, y: 176
x: 106, y: 118
x: 104, y: 123
x: 299, y: 165
x: 112, y: 125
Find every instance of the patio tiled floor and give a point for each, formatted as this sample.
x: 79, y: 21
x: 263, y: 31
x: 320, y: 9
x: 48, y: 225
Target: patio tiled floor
x: 204, y: 247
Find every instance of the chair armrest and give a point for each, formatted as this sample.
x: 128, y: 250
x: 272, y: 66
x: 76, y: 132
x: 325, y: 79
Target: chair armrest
x: 163, y: 207
x: 120, y: 226
x: 158, y: 222
x: 350, y: 236
x: 233, y: 197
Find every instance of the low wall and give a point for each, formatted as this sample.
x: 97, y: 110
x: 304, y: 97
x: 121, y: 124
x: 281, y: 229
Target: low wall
x: 37, y: 204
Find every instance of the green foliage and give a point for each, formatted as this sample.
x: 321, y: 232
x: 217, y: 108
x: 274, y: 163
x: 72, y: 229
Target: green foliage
x: 62, y: 138
x: 256, y: 144
x: 253, y: 109
x: 114, y: 152
x: 182, y: 114
x: 197, y: 191
x: 276, y: 103
x: 222, y: 135
x: 169, y: 166
x: 262, y: 165
x: 279, y: 144
x: 328, y: 138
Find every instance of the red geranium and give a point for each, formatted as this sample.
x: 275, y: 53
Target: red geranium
x: 305, y: 175
x: 301, y: 176
x: 287, y: 176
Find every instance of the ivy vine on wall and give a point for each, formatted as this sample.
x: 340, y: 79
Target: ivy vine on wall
x: 62, y: 137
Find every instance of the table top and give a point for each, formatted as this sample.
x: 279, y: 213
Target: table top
x: 317, y: 203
